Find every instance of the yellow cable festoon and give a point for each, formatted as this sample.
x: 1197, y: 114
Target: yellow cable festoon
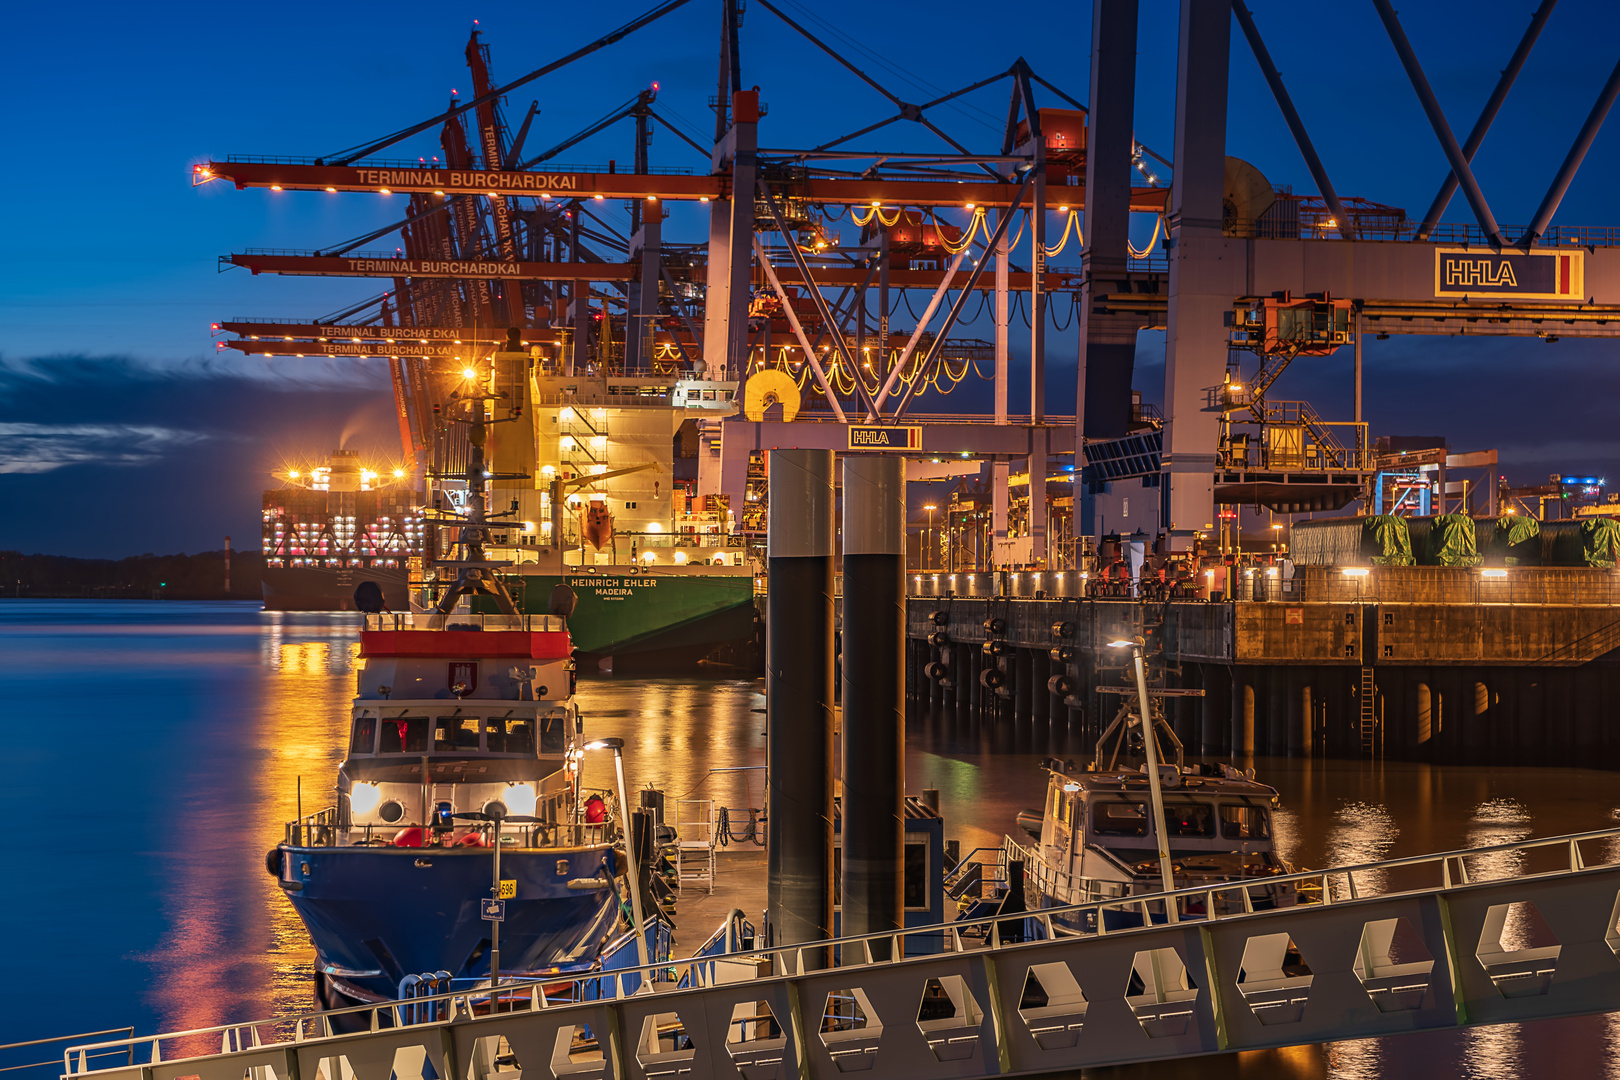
x: 877, y: 212
x: 1158, y: 228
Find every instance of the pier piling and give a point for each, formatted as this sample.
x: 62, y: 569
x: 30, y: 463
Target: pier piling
x: 799, y: 698
x: 874, y: 708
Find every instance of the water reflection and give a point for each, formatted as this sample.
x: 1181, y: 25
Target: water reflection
x: 184, y: 730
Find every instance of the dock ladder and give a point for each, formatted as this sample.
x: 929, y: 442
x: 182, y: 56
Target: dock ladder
x: 694, y: 842
x: 1369, y: 713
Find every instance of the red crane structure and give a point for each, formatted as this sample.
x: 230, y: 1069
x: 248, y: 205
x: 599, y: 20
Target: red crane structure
x: 803, y: 242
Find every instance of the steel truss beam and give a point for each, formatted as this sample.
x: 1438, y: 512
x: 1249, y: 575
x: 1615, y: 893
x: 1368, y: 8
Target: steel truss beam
x: 1437, y: 120
x: 1296, y: 126
x: 1487, y: 115
x: 961, y: 299
x: 1572, y: 160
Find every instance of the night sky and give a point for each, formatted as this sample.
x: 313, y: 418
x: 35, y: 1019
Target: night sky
x: 122, y: 431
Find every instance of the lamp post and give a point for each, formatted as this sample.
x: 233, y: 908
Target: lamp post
x: 928, y: 558
x: 1150, y: 743
x: 617, y: 746
x: 496, y: 813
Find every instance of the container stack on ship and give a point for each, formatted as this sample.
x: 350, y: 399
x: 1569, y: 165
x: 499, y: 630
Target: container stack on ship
x: 328, y: 528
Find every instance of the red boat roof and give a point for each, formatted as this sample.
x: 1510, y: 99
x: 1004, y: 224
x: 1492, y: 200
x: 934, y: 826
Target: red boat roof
x: 521, y: 637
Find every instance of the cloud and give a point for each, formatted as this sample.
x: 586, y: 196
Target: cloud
x: 168, y: 457
x: 41, y: 448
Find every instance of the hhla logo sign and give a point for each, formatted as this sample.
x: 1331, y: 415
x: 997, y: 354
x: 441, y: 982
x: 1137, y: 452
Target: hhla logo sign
x: 1485, y: 271
x: 1471, y: 273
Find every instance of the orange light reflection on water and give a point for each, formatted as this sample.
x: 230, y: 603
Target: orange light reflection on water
x: 295, y: 709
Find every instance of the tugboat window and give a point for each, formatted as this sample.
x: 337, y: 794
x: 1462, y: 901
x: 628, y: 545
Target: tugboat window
x: 456, y: 733
x: 554, y: 734
x: 509, y: 736
x: 403, y: 735
x: 1115, y: 818
x: 1245, y: 823
x: 1190, y: 819
x: 364, y: 739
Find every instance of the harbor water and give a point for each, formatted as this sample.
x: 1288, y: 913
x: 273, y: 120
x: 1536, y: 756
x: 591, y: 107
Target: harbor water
x: 156, y: 749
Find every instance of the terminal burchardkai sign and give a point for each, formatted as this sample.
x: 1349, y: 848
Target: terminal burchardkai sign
x: 1475, y: 273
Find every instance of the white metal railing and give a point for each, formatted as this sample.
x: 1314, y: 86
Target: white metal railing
x: 1028, y: 930
x: 432, y: 620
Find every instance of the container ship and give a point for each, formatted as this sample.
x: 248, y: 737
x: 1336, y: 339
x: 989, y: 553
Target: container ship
x: 594, y: 487
x: 663, y: 576
x: 330, y: 527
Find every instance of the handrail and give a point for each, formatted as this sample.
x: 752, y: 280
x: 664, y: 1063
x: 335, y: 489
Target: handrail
x: 61, y: 1039
x: 789, y: 959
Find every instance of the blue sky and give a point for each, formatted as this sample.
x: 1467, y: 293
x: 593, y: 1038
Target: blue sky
x: 109, y: 280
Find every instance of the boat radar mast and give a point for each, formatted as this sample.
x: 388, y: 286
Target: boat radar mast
x: 476, y: 575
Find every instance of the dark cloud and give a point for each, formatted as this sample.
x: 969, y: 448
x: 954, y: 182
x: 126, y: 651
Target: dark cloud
x: 107, y: 457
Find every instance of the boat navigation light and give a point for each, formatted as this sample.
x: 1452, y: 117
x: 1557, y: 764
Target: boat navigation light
x: 364, y: 797
x: 521, y: 798
x: 399, y: 474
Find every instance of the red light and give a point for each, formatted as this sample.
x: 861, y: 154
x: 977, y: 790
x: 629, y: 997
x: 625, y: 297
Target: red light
x: 213, y: 326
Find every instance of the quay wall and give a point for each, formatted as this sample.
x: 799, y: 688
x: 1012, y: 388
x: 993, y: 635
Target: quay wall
x: 1459, y: 669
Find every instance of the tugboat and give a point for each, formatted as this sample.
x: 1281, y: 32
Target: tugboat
x: 1096, y: 832
x: 462, y: 847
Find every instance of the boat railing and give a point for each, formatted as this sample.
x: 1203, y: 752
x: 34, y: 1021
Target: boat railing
x: 432, y: 620
x: 322, y: 830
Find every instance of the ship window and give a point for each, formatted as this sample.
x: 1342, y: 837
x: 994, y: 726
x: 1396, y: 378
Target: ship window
x: 1189, y: 819
x: 456, y: 733
x: 364, y: 739
x: 403, y: 735
x: 509, y: 736
x: 554, y: 734
x: 1117, y: 818
x: 1245, y: 823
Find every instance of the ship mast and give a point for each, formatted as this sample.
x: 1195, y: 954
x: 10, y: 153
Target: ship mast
x: 477, y: 573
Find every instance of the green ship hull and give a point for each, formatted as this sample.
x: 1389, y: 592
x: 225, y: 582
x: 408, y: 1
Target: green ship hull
x: 639, y: 620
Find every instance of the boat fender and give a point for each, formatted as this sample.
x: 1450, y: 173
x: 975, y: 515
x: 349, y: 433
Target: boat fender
x: 272, y: 862
x: 1061, y: 685
x: 994, y: 625
x: 411, y: 837
x: 940, y: 618
x: 939, y: 637
x: 991, y: 677
x: 1064, y: 629
x: 472, y: 839
x: 1061, y: 654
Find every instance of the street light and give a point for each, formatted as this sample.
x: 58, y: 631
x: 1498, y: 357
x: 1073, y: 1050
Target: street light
x: 1150, y: 742
x: 928, y: 561
x: 617, y: 746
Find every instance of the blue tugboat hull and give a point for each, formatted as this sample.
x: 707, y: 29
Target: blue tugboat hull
x: 377, y: 914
